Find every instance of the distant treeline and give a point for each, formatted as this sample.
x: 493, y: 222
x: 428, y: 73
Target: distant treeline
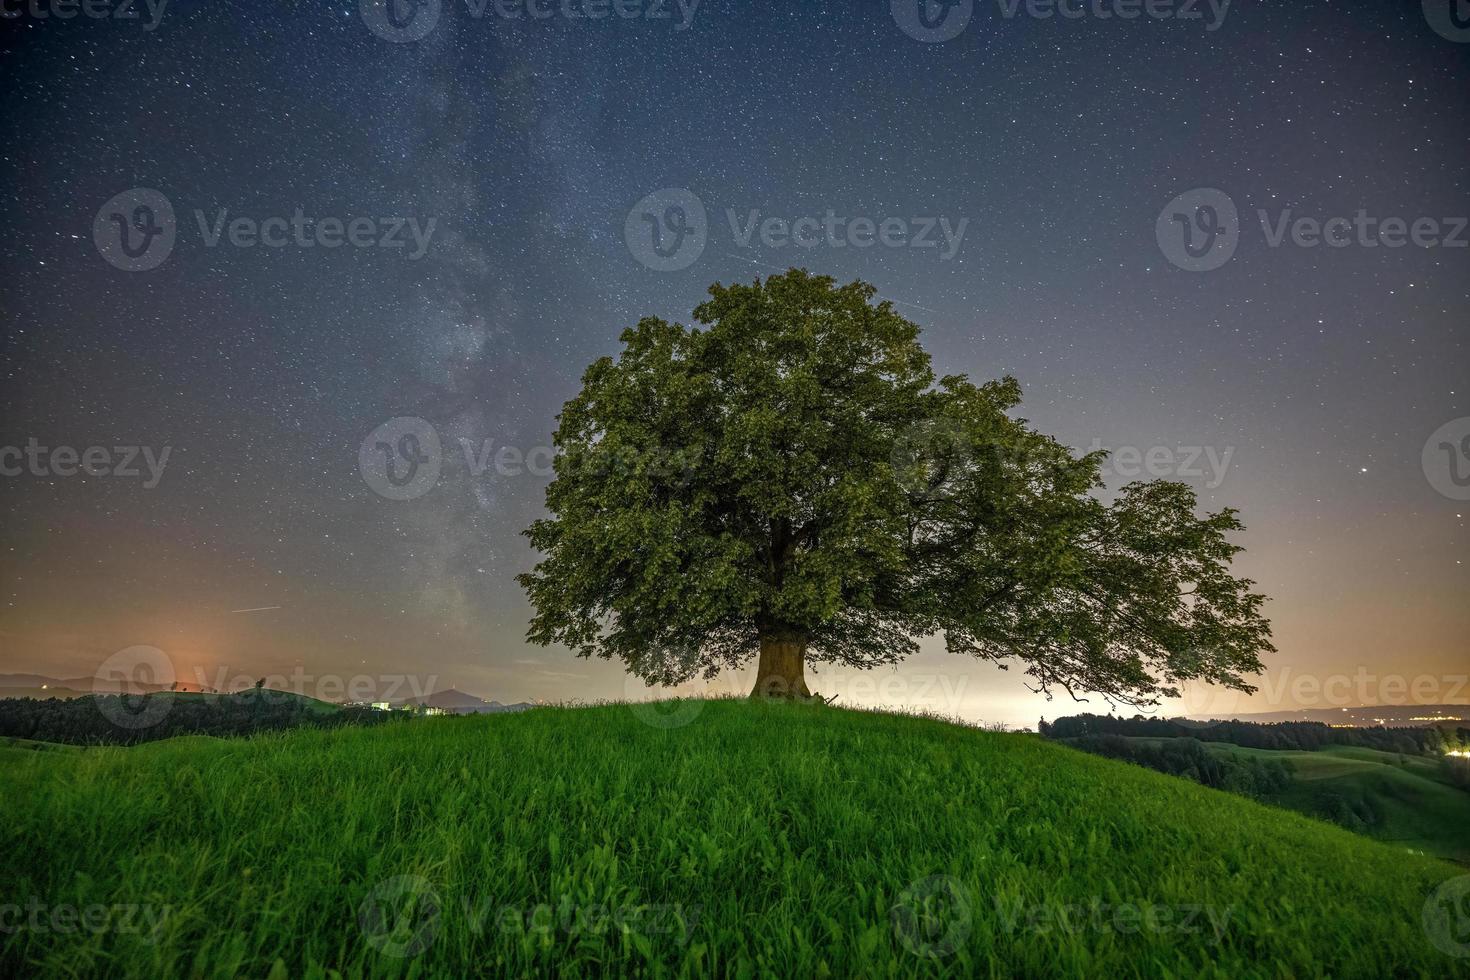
x: 113, y: 719
x: 1188, y: 757
x: 1305, y: 735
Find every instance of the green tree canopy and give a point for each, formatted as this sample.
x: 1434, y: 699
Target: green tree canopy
x: 790, y: 481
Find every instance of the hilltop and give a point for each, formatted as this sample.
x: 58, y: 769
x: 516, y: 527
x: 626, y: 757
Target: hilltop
x: 454, y: 701
x: 725, y: 837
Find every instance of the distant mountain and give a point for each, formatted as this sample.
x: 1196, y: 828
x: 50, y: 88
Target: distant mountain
x: 26, y: 680
x: 42, y: 686
x: 460, y: 703
x: 80, y: 684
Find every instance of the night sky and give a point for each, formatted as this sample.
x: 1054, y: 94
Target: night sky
x: 1315, y: 376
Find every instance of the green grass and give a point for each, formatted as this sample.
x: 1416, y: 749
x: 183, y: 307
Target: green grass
x: 768, y: 839
x: 1401, y: 800
x: 15, y: 749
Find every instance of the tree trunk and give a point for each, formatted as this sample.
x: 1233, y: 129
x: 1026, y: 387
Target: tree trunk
x: 781, y: 673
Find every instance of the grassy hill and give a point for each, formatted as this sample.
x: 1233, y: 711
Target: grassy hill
x: 109, y: 719
x: 314, y: 705
x: 757, y: 839
x: 12, y: 749
x: 1399, y: 799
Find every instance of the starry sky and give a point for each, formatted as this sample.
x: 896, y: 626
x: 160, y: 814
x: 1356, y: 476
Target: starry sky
x: 1312, y: 377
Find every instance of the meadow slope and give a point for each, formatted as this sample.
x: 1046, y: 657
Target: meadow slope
x: 753, y: 839
x: 1403, y: 800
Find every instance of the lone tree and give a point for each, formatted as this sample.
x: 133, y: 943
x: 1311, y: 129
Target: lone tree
x: 792, y: 482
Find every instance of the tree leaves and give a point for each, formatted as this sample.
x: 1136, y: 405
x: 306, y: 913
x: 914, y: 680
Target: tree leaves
x: 792, y: 467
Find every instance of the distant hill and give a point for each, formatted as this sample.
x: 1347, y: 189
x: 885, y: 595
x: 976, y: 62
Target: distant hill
x: 103, y: 719
x: 459, y: 703
x: 26, y: 680
x: 1400, y: 800
x: 41, y: 686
